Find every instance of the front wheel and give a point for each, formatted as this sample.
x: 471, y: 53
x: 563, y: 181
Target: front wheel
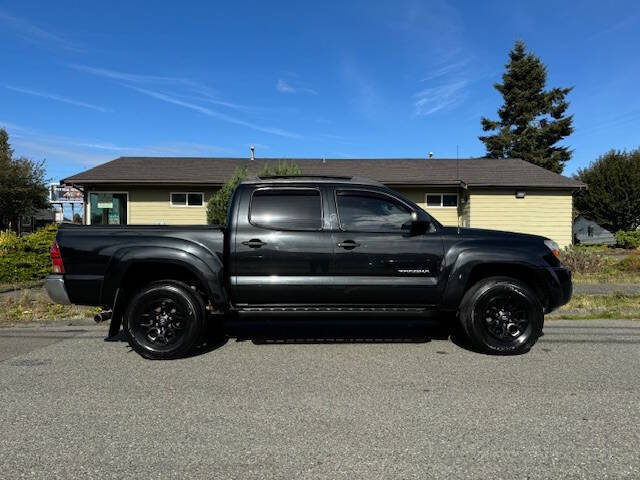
x: 501, y: 315
x: 164, y: 320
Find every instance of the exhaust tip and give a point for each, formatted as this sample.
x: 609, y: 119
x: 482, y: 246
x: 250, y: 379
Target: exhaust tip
x: 103, y: 316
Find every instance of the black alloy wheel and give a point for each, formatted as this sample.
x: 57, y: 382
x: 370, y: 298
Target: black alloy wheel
x: 501, y: 315
x: 164, y: 320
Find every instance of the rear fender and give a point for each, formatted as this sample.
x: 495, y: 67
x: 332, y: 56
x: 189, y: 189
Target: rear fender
x: 204, y: 265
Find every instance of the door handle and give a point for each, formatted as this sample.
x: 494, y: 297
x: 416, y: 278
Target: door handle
x: 254, y: 243
x: 348, y: 244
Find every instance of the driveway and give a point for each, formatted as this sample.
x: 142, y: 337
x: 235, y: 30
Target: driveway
x: 74, y: 406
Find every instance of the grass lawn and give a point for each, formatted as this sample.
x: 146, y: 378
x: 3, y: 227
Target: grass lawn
x: 585, y: 307
x: 606, y: 277
x: 34, y: 306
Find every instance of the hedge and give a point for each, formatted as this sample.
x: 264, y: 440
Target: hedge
x: 24, y: 259
x: 629, y: 239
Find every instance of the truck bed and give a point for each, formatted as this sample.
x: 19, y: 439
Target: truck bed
x: 88, y: 252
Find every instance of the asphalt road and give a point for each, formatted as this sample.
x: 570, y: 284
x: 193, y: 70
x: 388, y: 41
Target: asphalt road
x: 73, y: 406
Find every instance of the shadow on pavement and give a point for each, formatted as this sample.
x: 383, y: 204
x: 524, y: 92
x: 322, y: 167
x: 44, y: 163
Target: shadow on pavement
x: 269, y: 331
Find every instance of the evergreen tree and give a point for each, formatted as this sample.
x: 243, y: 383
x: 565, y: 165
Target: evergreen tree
x: 532, y: 120
x: 612, y: 198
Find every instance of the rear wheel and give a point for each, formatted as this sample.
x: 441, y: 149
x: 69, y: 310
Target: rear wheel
x: 164, y: 320
x: 501, y: 315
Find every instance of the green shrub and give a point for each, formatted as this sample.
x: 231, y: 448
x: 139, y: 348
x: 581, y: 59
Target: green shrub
x: 27, y: 258
x: 9, y: 241
x: 628, y: 239
x: 218, y: 204
x: 585, y: 260
x: 630, y: 264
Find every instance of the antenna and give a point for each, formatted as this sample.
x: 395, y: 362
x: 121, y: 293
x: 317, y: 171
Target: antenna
x: 458, y: 186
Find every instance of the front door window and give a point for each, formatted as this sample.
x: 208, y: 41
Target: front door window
x: 108, y: 208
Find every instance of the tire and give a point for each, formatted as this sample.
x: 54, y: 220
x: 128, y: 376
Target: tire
x: 501, y: 316
x: 164, y: 320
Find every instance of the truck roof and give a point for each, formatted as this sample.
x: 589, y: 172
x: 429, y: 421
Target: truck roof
x: 289, y: 179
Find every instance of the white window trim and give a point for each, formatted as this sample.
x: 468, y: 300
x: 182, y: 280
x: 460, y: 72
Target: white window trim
x: 171, y: 194
x: 426, y: 205
x: 111, y: 192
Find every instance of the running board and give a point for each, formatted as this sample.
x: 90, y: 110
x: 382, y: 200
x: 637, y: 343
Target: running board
x: 332, y: 310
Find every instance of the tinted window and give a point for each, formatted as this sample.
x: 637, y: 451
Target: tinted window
x: 178, y: 199
x: 282, y: 209
x: 433, y: 200
x: 363, y: 212
x: 449, y: 200
x: 195, y: 199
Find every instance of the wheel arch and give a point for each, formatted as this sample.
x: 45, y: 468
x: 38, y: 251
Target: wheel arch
x: 132, y: 267
x: 471, y: 269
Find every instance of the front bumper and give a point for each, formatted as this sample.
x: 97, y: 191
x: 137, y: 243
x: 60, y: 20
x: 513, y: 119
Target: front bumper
x: 54, y: 285
x: 561, y: 287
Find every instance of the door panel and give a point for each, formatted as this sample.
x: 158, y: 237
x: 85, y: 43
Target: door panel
x: 378, y: 260
x: 281, y: 254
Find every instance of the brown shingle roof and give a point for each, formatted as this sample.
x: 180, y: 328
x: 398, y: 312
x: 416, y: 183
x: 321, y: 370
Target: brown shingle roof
x: 391, y: 171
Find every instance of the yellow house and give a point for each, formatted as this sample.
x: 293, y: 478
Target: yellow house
x: 500, y: 194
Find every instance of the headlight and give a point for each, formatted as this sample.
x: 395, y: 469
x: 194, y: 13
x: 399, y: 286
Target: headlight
x: 553, y: 246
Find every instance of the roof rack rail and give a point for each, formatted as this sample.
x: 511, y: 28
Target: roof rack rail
x: 311, y: 178
x: 337, y: 177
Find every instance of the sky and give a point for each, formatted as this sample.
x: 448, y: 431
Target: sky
x: 82, y: 83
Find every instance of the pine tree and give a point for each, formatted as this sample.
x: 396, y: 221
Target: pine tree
x: 532, y: 120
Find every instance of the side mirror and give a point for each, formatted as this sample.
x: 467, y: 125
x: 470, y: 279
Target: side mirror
x: 419, y: 225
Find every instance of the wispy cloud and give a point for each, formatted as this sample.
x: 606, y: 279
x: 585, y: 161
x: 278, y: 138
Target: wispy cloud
x: 284, y: 86
x: 57, y: 98
x: 434, y: 99
x: 89, y: 152
x: 185, y: 92
x: 136, y: 78
x: 448, y: 69
x: 365, y: 98
x: 194, y: 89
x: 212, y: 113
x: 35, y: 34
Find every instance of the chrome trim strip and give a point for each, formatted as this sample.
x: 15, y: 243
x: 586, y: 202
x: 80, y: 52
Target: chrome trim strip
x: 243, y: 280
x: 54, y: 284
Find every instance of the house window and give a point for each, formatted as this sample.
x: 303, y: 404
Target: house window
x: 442, y: 200
x: 187, y: 199
x: 108, y: 208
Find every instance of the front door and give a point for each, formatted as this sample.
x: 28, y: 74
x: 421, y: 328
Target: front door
x: 378, y: 259
x: 282, y: 251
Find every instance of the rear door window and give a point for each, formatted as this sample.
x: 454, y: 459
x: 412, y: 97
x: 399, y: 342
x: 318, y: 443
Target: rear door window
x: 286, y: 209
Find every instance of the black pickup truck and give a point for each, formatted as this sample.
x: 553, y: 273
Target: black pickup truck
x: 305, y: 246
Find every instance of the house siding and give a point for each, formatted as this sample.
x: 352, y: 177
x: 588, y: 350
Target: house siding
x: 546, y: 213
x: 151, y: 206
x: 445, y: 215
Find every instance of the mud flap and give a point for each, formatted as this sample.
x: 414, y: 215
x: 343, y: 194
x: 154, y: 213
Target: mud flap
x: 116, y: 319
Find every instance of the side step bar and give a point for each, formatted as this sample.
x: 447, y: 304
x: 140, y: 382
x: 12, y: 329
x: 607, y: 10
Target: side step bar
x: 331, y: 310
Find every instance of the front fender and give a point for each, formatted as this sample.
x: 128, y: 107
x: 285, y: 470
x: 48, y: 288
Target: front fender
x: 462, y: 262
